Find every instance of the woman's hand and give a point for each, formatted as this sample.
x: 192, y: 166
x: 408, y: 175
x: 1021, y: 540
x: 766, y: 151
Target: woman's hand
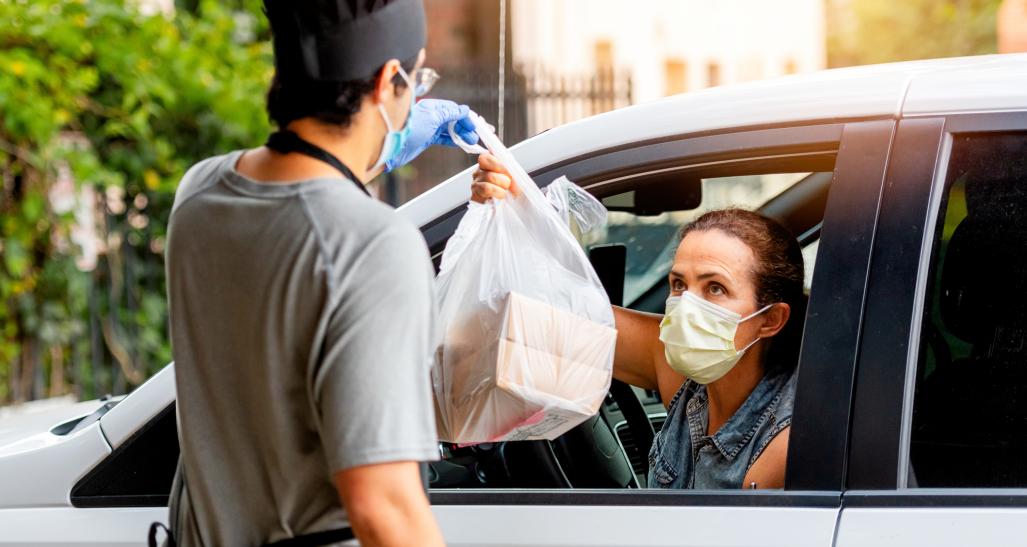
x: 491, y: 180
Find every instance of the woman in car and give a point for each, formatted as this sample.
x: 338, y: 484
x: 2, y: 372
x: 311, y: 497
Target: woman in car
x: 723, y: 355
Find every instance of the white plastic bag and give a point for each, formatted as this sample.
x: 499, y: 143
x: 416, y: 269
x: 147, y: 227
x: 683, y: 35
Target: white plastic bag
x: 528, y: 329
x: 572, y: 202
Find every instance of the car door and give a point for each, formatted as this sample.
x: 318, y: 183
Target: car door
x: 806, y: 510
x: 108, y: 498
x: 939, y: 428
x: 118, y: 498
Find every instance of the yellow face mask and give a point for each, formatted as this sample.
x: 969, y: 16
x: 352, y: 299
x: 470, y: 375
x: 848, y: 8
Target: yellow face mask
x: 699, y: 337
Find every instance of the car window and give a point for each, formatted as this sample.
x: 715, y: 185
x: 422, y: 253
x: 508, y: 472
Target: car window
x: 646, y: 211
x: 139, y: 472
x: 651, y: 241
x: 969, y: 419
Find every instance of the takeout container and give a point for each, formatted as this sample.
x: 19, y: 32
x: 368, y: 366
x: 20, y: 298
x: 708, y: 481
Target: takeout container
x: 546, y: 372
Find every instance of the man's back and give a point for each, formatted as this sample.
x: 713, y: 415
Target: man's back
x: 300, y: 350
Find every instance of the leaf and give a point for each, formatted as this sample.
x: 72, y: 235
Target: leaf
x: 16, y: 259
x: 120, y: 98
x: 151, y: 179
x: 32, y: 208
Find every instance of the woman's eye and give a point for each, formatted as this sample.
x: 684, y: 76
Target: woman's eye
x: 716, y: 290
x: 677, y: 285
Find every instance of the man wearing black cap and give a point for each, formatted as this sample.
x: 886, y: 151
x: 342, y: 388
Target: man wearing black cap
x: 301, y: 309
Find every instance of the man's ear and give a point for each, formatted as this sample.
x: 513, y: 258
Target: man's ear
x: 775, y: 319
x: 383, y: 81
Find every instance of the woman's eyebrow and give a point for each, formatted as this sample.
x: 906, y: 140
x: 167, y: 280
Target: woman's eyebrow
x: 710, y: 275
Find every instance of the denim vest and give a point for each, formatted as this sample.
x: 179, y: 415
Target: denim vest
x: 684, y: 456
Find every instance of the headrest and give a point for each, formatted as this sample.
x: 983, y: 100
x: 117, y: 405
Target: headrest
x: 984, y: 277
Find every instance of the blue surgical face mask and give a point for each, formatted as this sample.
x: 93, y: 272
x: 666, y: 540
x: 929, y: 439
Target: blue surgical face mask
x: 394, y: 140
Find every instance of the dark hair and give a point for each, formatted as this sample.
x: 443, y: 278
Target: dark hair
x: 778, y: 273
x: 333, y: 103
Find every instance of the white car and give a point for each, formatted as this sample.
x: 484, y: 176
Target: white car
x: 907, y: 187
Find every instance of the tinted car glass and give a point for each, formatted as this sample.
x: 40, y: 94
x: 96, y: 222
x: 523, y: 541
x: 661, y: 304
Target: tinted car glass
x: 139, y: 472
x: 970, y: 402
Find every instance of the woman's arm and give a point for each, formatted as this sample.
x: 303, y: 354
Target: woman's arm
x: 768, y: 471
x: 639, y: 358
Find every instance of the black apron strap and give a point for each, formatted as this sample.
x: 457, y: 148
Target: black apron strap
x: 285, y: 142
x: 315, y: 539
x: 151, y: 538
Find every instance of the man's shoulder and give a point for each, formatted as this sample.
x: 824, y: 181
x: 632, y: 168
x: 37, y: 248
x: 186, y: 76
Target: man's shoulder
x: 342, y: 209
x: 199, y: 177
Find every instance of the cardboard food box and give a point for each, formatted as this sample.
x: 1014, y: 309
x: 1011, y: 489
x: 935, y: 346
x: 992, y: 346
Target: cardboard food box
x: 547, y: 371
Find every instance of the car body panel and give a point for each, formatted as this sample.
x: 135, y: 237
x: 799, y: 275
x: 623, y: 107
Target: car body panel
x: 641, y: 526
x: 30, y: 422
x: 492, y: 525
x: 39, y: 471
x: 937, y: 527
x: 80, y: 527
x: 991, y: 83
x: 122, y: 421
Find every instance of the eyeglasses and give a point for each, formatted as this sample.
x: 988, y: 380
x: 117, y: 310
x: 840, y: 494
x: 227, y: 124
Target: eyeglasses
x: 421, y: 81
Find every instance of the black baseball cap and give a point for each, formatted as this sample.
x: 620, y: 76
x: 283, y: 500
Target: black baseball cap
x: 339, y: 40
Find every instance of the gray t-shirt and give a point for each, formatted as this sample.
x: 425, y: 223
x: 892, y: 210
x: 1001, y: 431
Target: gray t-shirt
x: 302, y: 330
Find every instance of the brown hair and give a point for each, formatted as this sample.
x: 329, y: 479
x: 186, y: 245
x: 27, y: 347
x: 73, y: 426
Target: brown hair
x: 778, y: 272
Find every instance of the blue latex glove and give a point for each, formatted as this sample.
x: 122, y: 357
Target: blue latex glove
x: 429, y: 124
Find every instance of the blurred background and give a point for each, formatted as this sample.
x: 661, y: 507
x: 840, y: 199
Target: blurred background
x: 105, y: 103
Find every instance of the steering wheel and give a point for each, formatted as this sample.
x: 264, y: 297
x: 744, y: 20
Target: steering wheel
x: 588, y: 456
x: 592, y: 455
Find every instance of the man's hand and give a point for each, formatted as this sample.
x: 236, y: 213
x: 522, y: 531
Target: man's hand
x: 429, y: 124
x: 387, y: 506
x: 492, y: 180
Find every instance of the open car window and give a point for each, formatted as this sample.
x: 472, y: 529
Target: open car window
x: 651, y: 240
x: 645, y: 214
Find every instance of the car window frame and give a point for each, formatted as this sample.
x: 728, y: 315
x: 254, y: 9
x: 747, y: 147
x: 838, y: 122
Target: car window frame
x: 861, y: 146
x: 878, y: 474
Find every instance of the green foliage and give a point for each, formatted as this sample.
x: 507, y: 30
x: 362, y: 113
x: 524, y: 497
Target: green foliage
x: 878, y: 31
x: 102, y: 108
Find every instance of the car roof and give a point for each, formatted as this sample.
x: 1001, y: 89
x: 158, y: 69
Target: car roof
x: 985, y: 83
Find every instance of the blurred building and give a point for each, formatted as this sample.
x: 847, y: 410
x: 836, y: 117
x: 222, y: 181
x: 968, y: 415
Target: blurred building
x: 569, y: 59
x: 1012, y: 26
x: 672, y: 46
